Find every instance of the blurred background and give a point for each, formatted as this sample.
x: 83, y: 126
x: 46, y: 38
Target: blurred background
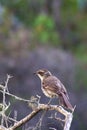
x: 49, y: 34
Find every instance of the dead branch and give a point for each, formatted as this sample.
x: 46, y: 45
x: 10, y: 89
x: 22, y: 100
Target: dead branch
x: 14, y: 96
x: 39, y: 123
x: 68, y: 115
x: 36, y: 107
x: 5, y: 88
x: 24, y: 120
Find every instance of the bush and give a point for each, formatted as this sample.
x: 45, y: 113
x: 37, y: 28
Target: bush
x: 44, y: 28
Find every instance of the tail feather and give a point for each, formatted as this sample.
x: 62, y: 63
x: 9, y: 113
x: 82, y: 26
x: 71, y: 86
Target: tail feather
x: 65, y: 102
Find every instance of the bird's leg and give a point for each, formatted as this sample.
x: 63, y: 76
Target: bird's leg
x: 49, y: 101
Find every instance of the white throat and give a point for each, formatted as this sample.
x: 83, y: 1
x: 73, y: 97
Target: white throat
x: 41, y: 77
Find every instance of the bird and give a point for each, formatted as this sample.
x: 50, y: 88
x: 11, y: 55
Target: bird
x: 52, y: 87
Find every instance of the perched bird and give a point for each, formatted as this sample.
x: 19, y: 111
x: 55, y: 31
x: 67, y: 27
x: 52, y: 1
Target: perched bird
x: 52, y: 87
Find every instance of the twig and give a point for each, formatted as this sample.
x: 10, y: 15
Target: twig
x: 36, y: 106
x: 56, y: 118
x: 39, y: 123
x: 9, y: 118
x: 24, y: 120
x: 15, y: 117
x: 68, y: 115
x: 16, y: 97
x: 52, y: 128
x: 4, y: 101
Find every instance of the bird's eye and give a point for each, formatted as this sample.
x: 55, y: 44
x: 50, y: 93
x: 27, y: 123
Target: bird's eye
x: 41, y: 73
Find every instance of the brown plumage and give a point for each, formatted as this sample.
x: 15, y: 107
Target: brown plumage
x: 52, y: 87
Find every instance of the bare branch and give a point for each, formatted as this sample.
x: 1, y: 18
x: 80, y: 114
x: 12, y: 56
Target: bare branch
x: 52, y: 128
x: 68, y: 115
x: 16, y: 97
x: 15, y: 117
x: 56, y: 118
x: 24, y: 120
x: 39, y: 123
x: 34, y: 103
x: 4, y: 101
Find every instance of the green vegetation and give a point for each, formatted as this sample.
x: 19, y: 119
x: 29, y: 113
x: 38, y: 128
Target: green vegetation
x: 81, y: 78
x: 71, y: 33
x: 44, y: 28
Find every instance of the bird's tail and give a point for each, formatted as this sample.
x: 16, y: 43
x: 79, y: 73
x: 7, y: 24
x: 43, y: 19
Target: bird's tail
x: 65, y: 101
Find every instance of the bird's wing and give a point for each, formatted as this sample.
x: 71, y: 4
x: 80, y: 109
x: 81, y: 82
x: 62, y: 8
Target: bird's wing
x: 64, y: 90
x: 54, y: 84
x: 50, y: 83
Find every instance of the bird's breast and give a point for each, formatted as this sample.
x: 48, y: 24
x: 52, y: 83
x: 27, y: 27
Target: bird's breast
x: 48, y: 93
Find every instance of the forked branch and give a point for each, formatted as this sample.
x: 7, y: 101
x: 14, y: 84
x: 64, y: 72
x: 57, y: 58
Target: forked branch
x: 34, y: 103
x: 68, y: 115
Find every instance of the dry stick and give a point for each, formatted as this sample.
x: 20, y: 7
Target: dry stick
x: 9, y: 94
x: 4, y: 101
x: 39, y: 123
x: 16, y: 97
x: 24, y: 120
x: 15, y: 116
x: 9, y: 118
x: 68, y: 115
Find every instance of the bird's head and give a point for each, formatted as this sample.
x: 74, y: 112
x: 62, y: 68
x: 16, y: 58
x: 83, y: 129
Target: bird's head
x: 43, y: 73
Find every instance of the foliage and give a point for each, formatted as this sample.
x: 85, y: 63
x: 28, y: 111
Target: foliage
x: 25, y: 10
x: 81, y: 78
x: 44, y: 28
x: 81, y: 52
x: 73, y: 21
x: 69, y: 9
